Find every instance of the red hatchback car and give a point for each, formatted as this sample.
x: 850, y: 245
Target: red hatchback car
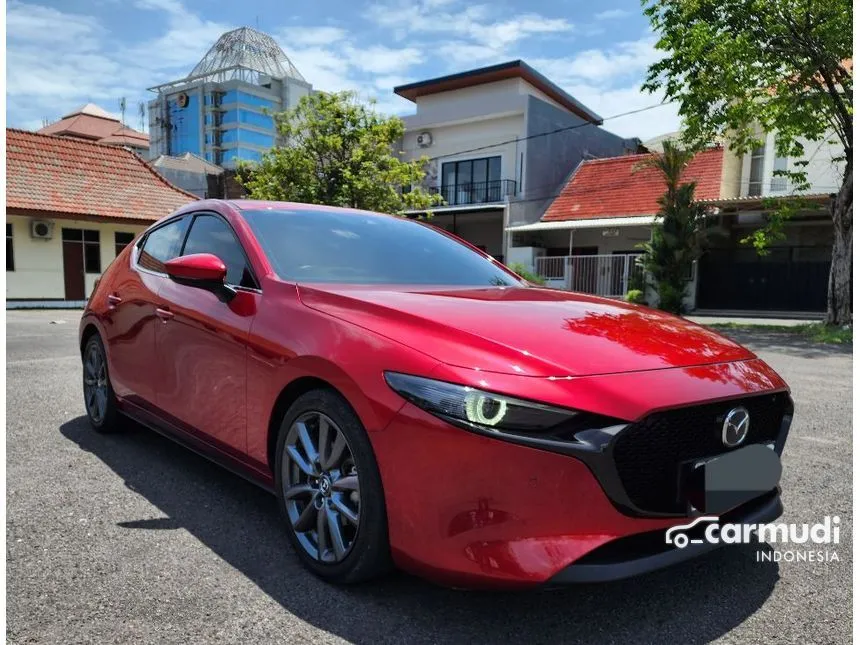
x: 410, y: 401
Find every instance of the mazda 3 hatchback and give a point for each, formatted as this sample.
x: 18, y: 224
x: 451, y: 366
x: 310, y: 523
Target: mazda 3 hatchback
x: 411, y: 402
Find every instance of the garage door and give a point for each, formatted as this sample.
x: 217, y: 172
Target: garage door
x: 787, y: 279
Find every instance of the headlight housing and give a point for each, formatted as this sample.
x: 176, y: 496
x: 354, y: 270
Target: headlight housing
x: 467, y: 406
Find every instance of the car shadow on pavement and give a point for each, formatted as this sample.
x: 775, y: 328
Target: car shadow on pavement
x: 694, y: 602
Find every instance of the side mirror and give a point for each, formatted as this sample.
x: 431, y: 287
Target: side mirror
x: 201, y: 270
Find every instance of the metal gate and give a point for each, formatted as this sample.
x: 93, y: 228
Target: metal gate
x: 787, y: 279
x: 610, y: 275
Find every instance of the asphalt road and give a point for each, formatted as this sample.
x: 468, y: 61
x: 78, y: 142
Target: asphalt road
x: 132, y: 539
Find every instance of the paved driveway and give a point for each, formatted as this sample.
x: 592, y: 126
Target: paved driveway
x: 130, y: 538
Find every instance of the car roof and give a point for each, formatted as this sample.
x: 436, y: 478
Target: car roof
x: 258, y: 205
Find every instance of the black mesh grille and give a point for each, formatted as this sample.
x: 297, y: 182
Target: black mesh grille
x: 648, y: 453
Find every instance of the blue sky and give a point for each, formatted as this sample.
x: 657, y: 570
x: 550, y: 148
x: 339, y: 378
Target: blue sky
x: 63, y: 53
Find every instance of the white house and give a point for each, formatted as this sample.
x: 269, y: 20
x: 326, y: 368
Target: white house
x: 501, y: 141
x: 71, y: 206
x: 792, y: 277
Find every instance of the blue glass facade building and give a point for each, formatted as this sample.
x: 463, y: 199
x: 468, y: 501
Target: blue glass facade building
x: 222, y: 111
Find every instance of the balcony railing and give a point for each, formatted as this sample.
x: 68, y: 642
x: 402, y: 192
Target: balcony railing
x: 602, y: 275
x: 484, y: 192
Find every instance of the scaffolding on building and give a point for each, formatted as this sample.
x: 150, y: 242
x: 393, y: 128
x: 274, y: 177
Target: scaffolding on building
x: 242, y: 54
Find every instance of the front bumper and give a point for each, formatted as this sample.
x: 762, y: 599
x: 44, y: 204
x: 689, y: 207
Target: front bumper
x: 468, y: 510
x: 646, y: 552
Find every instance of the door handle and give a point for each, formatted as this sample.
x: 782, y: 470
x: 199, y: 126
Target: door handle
x: 164, y: 313
x: 114, y: 299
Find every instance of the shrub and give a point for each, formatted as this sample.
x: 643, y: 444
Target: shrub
x: 523, y: 271
x: 636, y: 296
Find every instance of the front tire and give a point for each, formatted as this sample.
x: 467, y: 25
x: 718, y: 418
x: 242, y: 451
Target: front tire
x: 99, y: 399
x: 330, y: 491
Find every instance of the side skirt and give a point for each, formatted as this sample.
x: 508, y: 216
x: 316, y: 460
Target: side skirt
x: 202, y: 448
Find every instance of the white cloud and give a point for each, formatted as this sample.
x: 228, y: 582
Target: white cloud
x: 379, y: 59
x: 304, y: 36
x: 185, y: 42
x: 464, y: 55
x: 388, y: 83
x: 603, y: 66
x: 58, y: 59
x: 652, y: 121
x: 478, y: 23
x: 612, y: 14
x: 36, y: 24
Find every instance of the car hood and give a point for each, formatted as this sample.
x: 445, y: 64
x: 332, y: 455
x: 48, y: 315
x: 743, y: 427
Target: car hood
x: 526, y: 331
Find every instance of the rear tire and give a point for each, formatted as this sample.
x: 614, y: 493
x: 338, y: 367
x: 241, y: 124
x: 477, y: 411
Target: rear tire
x: 99, y: 399
x: 337, y: 525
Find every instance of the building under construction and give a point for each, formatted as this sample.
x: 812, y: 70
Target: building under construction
x: 222, y: 111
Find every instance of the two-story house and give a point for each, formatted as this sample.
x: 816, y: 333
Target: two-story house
x: 792, y: 276
x: 500, y: 141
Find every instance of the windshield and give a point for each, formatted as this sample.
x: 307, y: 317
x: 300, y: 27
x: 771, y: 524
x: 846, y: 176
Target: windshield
x: 357, y: 248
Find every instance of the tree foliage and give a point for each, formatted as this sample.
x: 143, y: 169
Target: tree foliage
x: 678, y: 239
x: 526, y: 274
x: 732, y: 64
x: 741, y: 68
x: 335, y: 150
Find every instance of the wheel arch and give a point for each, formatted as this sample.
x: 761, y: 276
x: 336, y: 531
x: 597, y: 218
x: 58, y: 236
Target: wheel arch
x: 89, y: 330
x: 288, y: 395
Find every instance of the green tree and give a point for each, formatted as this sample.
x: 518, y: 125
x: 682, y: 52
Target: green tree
x: 781, y: 65
x: 338, y: 151
x: 677, y: 240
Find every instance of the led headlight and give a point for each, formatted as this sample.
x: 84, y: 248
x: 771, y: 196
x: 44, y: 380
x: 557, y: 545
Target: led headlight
x: 476, y: 408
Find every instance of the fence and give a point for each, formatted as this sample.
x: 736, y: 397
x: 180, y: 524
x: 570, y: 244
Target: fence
x: 610, y: 275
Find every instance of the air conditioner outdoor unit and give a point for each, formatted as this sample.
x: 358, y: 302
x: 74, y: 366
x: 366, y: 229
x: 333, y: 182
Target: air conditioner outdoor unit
x: 425, y: 140
x: 41, y: 229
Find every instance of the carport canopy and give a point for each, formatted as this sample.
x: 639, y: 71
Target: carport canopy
x: 595, y: 222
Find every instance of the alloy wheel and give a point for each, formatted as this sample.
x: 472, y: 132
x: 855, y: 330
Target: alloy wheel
x: 95, y: 383
x: 321, y: 487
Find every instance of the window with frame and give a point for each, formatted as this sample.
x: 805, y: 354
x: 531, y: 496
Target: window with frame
x: 779, y: 183
x: 211, y: 234
x: 756, y: 171
x: 10, y: 249
x: 91, y: 248
x: 162, y: 244
x: 122, y: 240
x: 472, y: 180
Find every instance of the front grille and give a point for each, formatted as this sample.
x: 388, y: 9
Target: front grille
x: 649, y: 452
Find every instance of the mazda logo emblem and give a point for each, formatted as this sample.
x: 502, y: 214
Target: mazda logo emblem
x: 735, y: 427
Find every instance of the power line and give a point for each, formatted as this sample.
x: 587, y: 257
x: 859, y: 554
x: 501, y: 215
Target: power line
x: 545, y: 134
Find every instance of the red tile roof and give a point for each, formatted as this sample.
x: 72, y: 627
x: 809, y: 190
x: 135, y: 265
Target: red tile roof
x: 71, y: 176
x: 91, y: 122
x: 611, y: 187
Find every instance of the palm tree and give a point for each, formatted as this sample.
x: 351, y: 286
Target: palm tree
x: 677, y: 240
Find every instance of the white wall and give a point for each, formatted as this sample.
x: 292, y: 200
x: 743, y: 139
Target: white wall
x: 628, y: 239
x: 468, y: 102
x: 38, y: 270
x: 449, y: 141
x: 824, y: 172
